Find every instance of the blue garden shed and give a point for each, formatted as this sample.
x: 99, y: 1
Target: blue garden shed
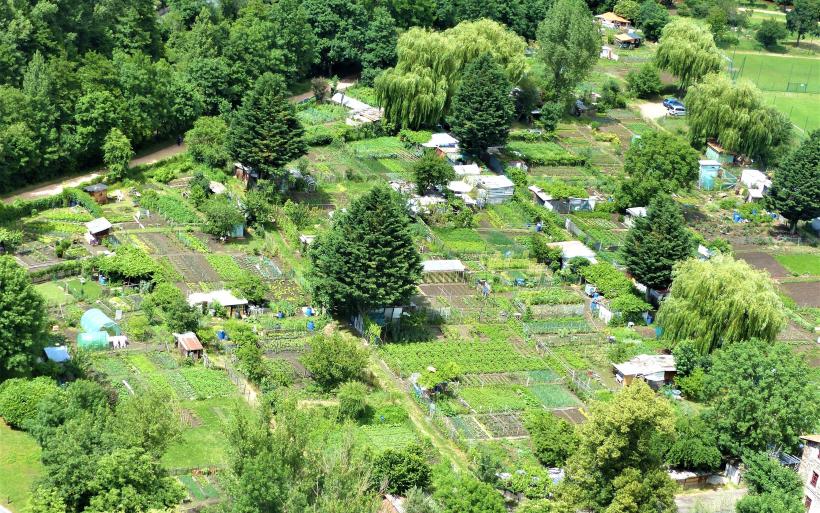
x: 94, y: 320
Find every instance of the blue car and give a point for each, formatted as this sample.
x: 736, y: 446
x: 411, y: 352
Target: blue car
x: 672, y: 102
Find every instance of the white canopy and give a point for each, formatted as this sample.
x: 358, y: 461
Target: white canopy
x: 636, y: 211
x: 459, y: 187
x: 754, y: 179
x: 223, y: 297
x: 439, y: 140
x: 467, y: 169
x: 442, y: 266
x: 646, y: 364
x: 98, y: 225
x: 574, y: 248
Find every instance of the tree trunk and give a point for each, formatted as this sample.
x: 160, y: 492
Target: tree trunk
x: 792, y: 226
x: 799, y: 33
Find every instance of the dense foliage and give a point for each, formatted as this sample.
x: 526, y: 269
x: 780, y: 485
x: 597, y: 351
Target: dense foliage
x: 432, y: 171
x: 333, y: 360
x: 795, y: 192
x: 720, y: 301
x: 367, y: 259
x: 22, y: 319
x: 688, y: 51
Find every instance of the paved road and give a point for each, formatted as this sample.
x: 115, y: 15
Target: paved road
x: 712, y: 501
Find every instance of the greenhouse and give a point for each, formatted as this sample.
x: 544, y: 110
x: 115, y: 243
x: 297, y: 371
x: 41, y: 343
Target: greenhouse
x: 94, y: 320
x: 95, y: 341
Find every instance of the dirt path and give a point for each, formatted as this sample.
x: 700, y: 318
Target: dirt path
x: 652, y: 111
x: 769, y: 54
x: 764, y: 11
x: 712, y: 501
x: 56, y: 186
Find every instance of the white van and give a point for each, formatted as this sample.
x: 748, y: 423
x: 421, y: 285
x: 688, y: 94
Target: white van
x: 676, y: 110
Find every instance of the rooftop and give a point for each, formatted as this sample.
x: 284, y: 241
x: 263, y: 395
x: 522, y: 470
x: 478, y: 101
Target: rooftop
x: 574, y: 248
x: 223, y: 297
x: 636, y: 211
x: 467, y: 169
x: 494, y: 182
x: 188, y: 341
x: 442, y: 266
x: 645, y: 364
x: 811, y: 438
x: 611, y: 16
x: 57, y: 354
x: 708, y: 162
x: 97, y: 187
x: 441, y: 139
x: 458, y: 186
x: 98, y: 225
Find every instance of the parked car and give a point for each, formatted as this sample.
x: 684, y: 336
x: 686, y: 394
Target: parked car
x: 676, y: 110
x: 672, y: 102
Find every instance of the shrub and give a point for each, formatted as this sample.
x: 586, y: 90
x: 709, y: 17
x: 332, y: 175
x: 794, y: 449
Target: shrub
x: 609, y: 281
x: 645, y: 82
x: 334, y: 359
x: 770, y: 32
x: 19, y: 399
x: 403, y: 469
x: 352, y: 400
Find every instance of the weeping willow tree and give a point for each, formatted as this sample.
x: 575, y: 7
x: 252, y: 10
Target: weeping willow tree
x: 418, y: 91
x: 720, y: 301
x: 688, y: 51
x: 734, y: 114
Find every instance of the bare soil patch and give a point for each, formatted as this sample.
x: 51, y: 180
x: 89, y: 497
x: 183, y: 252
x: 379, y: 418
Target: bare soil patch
x: 804, y: 293
x: 761, y: 260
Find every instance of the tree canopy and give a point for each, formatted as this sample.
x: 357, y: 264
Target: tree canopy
x: 803, y: 18
x: 795, y: 192
x: 570, y: 45
x: 367, y: 259
x: 688, y: 51
x: 22, y: 317
x: 658, y: 162
x: 760, y: 397
x: 720, y: 301
x: 482, y: 108
x: 265, y: 133
x: 734, y: 114
x: 655, y: 243
x: 418, y: 91
x: 432, y: 171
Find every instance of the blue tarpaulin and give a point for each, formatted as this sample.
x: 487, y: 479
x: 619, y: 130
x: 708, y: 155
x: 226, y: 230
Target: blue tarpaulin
x: 57, y: 354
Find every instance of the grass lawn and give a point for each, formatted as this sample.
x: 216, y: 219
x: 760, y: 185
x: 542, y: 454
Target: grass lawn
x: 800, y: 107
x: 800, y: 263
x: 89, y: 291
x: 54, y: 294
x: 774, y: 72
x: 205, y: 444
x: 19, y: 467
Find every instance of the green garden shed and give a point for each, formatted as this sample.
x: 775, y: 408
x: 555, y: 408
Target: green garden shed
x: 94, y: 320
x: 95, y: 341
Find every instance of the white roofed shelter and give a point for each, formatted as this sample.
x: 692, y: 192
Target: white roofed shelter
x: 441, y: 140
x: 467, y: 169
x: 459, y: 187
x: 442, y: 271
x: 225, y: 298
x: 495, y: 188
x: 97, y: 230
x: 656, y: 369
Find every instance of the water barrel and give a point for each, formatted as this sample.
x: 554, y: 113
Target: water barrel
x: 221, y: 335
x: 311, y: 326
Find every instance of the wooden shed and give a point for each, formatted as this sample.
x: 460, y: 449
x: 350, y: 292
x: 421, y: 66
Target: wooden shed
x: 188, y: 345
x: 98, y: 191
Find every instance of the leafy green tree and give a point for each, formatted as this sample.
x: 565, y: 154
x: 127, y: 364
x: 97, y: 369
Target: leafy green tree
x: 617, y: 465
x: 655, y: 243
x: 803, y: 18
x: 352, y: 400
x: 379, y: 43
x: 252, y: 288
x: 221, y: 216
x: 688, y: 51
x: 629, y: 9
x: 645, y: 82
x: 418, y: 91
x: 10, y: 240
x: 334, y: 359
x: 338, y: 27
x: 117, y: 154
x: 66, y: 403
x: 401, y: 470
x: 149, y: 421
x: 22, y: 315
x: 754, y: 129
x: 47, y: 500
x: 795, y: 192
x: 368, y: 258
x: 687, y: 358
x: 466, y: 494
x: 766, y: 475
x: 658, y: 162
x: 553, y: 439
x: 752, y: 383
x: 543, y: 252
x: 482, y: 109
x: 770, y: 32
x: 432, y: 171
x: 570, y: 45
x: 694, y: 446
x: 20, y: 398
x: 206, y: 141
x: 718, y: 302
x: 265, y: 133
x: 652, y: 18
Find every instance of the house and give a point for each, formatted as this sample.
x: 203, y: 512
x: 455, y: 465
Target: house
x: 656, y: 369
x: 188, y: 344
x: 493, y: 189
x: 247, y: 174
x: 442, y: 271
x: 757, y: 183
x: 57, y: 354
x: 97, y: 230
x: 612, y: 20
x: 715, y: 151
x: 633, y: 213
x: 809, y: 472
x: 235, y: 306
x: 573, y: 248
x: 95, y: 321
x: 98, y: 191
x: 628, y: 40
x: 467, y: 169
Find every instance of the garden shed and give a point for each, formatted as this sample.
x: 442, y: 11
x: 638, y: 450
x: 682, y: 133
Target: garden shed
x: 235, y: 306
x: 709, y: 172
x: 247, y: 174
x: 632, y: 214
x: 715, y: 151
x: 756, y: 182
x: 95, y: 341
x: 188, y: 344
x: 442, y: 271
x: 441, y: 140
x: 97, y: 230
x: 98, y: 191
x: 612, y: 20
x: 495, y: 189
x: 95, y: 321
x: 573, y: 248
x: 656, y: 369
x: 459, y: 187
x: 628, y: 40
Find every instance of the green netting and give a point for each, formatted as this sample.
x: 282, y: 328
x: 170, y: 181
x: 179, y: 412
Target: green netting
x: 94, y: 341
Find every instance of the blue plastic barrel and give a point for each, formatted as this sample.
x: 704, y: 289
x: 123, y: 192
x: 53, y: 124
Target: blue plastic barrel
x: 280, y: 315
x: 311, y: 325
x: 658, y: 331
x: 221, y: 335
x: 309, y: 311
